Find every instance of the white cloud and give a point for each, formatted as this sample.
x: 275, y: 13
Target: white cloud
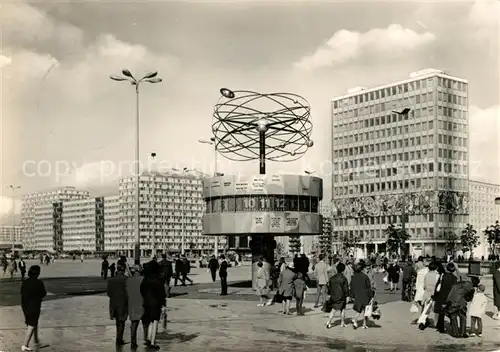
x: 5, y: 61
x: 6, y: 205
x: 346, y: 45
x: 484, y: 18
x: 23, y: 24
x: 484, y: 143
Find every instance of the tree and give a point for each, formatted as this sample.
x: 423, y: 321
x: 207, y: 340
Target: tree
x: 350, y: 242
x: 396, y: 239
x: 469, y: 239
x: 279, y: 251
x: 451, y: 242
x: 492, y: 234
x: 295, y: 244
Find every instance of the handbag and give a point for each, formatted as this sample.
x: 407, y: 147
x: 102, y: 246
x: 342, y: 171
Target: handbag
x: 414, y: 308
x: 327, y: 306
x: 386, y: 278
x: 278, y: 297
x: 369, y: 309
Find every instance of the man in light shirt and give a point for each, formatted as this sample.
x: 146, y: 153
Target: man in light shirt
x: 321, y: 273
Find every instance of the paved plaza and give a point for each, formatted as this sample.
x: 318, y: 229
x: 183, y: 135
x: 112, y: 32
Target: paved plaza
x: 201, y: 320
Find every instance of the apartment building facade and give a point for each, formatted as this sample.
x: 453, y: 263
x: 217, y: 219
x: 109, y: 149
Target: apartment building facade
x: 10, y: 234
x: 171, y: 212
x: 30, y: 203
x: 395, y: 167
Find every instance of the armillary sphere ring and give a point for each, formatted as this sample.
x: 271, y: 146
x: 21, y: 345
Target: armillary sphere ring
x: 242, y: 116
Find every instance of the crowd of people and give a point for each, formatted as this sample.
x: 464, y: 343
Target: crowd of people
x: 435, y: 289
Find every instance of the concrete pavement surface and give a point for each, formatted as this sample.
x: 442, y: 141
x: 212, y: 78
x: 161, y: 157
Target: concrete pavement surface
x: 201, y: 320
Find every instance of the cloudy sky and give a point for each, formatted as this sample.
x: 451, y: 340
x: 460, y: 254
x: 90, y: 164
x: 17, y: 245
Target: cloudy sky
x: 60, y: 108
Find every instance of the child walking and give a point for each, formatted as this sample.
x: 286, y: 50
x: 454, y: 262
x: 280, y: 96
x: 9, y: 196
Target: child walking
x: 477, y: 310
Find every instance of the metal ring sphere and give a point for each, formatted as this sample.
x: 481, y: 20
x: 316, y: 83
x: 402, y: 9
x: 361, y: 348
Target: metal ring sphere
x: 238, y: 123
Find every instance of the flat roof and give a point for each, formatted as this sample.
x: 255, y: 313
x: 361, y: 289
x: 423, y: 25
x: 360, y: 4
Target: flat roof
x: 414, y: 76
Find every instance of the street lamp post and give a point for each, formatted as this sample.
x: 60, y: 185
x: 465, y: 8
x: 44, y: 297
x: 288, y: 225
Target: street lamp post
x: 212, y: 142
x: 14, y: 188
x: 149, y: 78
x: 404, y: 113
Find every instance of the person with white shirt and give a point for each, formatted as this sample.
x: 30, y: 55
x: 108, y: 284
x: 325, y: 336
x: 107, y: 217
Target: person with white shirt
x: 477, y: 310
x: 321, y: 273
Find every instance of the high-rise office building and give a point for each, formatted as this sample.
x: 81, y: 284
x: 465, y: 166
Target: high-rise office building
x: 28, y: 212
x: 8, y: 235
x: 483, y: 212
x: 402, y: 168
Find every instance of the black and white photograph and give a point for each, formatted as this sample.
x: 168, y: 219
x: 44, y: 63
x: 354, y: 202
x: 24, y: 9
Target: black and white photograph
x: 250, y: 175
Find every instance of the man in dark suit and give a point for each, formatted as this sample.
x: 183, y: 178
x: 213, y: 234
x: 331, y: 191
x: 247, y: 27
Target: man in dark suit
x: 409, y: 274
x: 118, y: 302
x: 166, y: 272
x: 213, y: 265
x: 445, y: 283
x: 179, y: 269
x: 223, y: 275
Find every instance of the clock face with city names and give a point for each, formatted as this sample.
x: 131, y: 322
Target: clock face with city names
x: 262, y: 203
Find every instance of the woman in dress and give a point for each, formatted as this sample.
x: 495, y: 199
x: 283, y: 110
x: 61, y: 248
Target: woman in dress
x: 32, y: 294
x: 362, y: 293
x: 393, y: 275
x: 154, y: 296
x: 286, y: 287
x: 299, y: 287
x: 135, y: 304
x: 338, y: 290
x: 262, y: 284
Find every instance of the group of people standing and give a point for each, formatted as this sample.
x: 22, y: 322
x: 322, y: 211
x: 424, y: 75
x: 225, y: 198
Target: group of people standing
x: 141, y: 297
x: 441, y: 289
x: 12, y: 267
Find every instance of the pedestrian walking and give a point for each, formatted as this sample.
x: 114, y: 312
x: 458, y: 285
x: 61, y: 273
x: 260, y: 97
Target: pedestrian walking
x: 186, y: 269
x: 154, y: 297
x: 285, y: 284
x: 166, y: 272
x: 409, y: 274
x: 178, y: 271
x: 477, y: 310
x: 12, y: 268
x: 5, y: 264
x: 223, y: 275
x: 104, y: 268
x: 338, y: 291
x: 118, y: 302
x: 32, y: 293
x: 135, y: 304
x: 321, y: 273
x: 112, y: 269
x: 262, y: 284
x: 496, y: 290
x: 213, y: 266
x: 362, y: 293
x: 443, y: 288
x: 22, y: 268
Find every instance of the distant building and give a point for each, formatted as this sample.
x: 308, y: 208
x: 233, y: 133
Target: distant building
x: 171, y: 210
x: 483, y: 211
x: 82, y: 225
x: 326, y: 238
x: 113, y: 239
x: 9, y: 234
x: 28, y: 213
x: 389, y: 167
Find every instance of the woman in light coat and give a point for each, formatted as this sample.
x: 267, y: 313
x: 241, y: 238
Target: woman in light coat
x: 262, y: 284
x: 135, y: 304
x: 422, y: 271
x: 285, y: 284
x: 430, y: 282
